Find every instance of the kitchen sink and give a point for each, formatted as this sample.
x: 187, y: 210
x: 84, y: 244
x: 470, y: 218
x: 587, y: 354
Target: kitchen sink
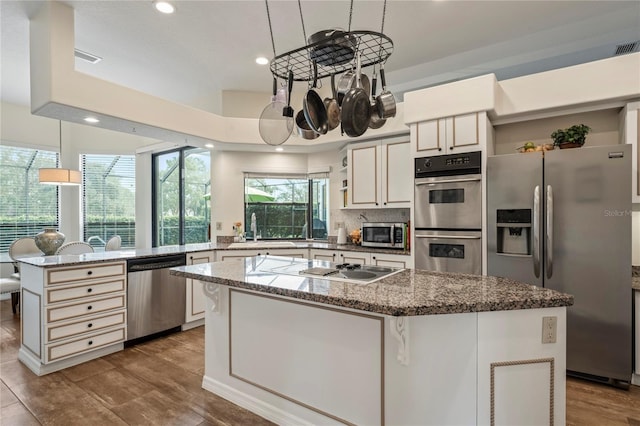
x: 262, y: 244
x: 337, y: 272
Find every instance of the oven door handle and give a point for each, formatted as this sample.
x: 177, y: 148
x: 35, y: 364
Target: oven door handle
x: 449, y: 237
x: 433, y: 182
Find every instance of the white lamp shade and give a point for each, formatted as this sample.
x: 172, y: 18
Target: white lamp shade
x: 59, y: 177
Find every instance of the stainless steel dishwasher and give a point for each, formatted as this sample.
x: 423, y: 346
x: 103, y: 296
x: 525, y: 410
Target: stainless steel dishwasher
x: 156, y: 301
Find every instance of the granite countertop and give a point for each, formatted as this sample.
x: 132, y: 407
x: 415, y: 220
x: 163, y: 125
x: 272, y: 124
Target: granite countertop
x: 67, y: 260
x: 406, y: 293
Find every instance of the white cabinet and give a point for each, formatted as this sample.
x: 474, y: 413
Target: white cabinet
x: 636, y: 315
x: 341, y: 256
x: 393, y: 260
x: 71, y: 314
x: 227, y: 255
x: 461, y: 133
x: 380, y: 175
x: 195, y: 293
x: 631, y: 135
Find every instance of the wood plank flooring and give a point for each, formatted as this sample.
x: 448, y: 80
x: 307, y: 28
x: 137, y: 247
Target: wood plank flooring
x: 159, y: 383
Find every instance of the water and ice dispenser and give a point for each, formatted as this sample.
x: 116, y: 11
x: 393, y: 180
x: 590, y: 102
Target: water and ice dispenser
x: 514, y: 231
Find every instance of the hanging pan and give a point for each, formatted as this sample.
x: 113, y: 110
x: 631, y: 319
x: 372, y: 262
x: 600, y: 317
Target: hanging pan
x: 356, y: 108
x: 275, y: 128
x: 314, y: 110
x: 375, y: 122
x: 332, y: 107
x: 385, y: 102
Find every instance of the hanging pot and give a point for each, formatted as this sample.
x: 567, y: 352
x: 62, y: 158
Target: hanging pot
x: 314, y: 110
x: 332, y: 107
x: 385, y: 102
x: 302, y: 127
x: 356, y: 108
x: 375, y: 122
x: 348, y: 82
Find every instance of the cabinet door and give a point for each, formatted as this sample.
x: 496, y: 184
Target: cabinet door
x: 364, y: 176
x: 360, y: 258
x: 237, y: 255
x: 195, y: 294
x: 465, y: 131
x: 397, y: 174
x: 328, y: 255
x: 393, y: 260
x: 430, y: 137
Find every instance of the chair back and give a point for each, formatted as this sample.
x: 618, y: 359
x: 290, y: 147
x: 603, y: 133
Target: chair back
x: 22, y: 247
x: 74, y: 247
x: 113, y: 243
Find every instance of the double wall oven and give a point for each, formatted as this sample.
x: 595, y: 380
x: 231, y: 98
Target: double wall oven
x: 448, y: 213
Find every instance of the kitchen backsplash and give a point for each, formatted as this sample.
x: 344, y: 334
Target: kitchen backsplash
x: 353, y: 218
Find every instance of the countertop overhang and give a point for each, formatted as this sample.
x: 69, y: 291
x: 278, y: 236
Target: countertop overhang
x: 407, y: 293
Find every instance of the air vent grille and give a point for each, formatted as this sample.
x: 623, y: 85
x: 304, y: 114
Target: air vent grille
x: 623, y: 49
x: 86, y: 56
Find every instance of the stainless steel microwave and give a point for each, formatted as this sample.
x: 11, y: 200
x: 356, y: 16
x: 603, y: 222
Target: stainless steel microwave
x: 384, y: 234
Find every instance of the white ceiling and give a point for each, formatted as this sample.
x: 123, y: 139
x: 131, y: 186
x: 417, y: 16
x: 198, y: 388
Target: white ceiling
x: 207, y: 47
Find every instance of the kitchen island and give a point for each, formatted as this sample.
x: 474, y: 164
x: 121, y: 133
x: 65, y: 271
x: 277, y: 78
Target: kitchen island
x: 414, y: 347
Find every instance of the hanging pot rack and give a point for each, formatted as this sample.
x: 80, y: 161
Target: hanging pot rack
x: 330, y: 56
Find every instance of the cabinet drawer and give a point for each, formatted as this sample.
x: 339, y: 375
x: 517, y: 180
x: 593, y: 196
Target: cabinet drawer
x: 79, y: 291
x: 78, y: 273
x: 84, y: 308
x: 63, y: 350
x: 88, y: 325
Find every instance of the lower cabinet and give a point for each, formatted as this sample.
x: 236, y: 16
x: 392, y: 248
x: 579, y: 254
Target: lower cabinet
x: 392, y: 260
x: 195, y: 294
x: 72, y: 314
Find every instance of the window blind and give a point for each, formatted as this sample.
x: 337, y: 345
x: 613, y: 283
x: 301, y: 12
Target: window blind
x: 27, y: 206
x: 108, y: 198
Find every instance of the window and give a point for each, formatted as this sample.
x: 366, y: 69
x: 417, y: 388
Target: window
x: 285, y: 205
x: 181, y: 188
x: 108, y: 199
x: 27, y: 206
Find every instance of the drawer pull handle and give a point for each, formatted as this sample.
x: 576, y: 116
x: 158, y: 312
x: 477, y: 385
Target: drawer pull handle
x: 89, y: 307
x: 89, y: 290
x: 89, y: 272
x: 90, y: 342
x: 89, y: 325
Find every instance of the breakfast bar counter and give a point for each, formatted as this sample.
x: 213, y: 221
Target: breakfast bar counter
x: 414, y: 347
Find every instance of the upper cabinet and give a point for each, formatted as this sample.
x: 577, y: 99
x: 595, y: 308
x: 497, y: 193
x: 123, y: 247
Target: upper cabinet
x: 450, y: 135
x: 631, y: 135
x: 380, y: 175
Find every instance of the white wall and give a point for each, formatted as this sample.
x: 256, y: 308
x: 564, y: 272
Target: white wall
x: 21, y: 128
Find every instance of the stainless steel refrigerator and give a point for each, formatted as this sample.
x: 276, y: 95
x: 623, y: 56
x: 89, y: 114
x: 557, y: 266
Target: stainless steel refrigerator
x: 563, y: 221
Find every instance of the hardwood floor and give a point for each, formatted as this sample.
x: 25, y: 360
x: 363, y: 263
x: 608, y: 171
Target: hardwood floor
x: 159, y: 383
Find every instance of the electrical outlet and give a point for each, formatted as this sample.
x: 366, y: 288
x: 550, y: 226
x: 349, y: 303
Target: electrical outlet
x: 218, y: 226
x: 549, y: 329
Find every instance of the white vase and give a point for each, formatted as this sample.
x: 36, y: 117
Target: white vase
x: 49, y: 240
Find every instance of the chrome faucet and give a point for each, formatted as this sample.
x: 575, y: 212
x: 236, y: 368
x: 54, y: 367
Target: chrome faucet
x: 254, y: 227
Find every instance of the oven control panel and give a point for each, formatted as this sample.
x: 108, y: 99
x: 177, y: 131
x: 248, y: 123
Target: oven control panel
x: 448, y: 165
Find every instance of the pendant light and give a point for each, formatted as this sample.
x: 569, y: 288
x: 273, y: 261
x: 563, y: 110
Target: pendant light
x: 59, y: 176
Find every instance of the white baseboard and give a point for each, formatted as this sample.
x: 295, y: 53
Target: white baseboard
x: 192, y: 324
x: 34, y: 364
x: 252, y: 404
x: 635, y: 379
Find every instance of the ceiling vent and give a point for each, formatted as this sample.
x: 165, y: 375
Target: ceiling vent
x: 623, y: 49
x: 86, y: 56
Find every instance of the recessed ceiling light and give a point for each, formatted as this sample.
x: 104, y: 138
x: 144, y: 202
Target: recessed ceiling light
x: 208, y: 145
x: 279, y: 149
x: 261, y: 60
x: 91, y: 120
x: 164, y: 6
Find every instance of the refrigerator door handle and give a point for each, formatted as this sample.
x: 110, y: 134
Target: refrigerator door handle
x: 549, y: 232
x: 536, y: 231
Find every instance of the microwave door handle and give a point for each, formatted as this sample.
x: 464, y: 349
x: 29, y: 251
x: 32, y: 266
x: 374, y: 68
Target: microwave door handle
x: 392, y: 236
x: 433, y: 182
x: 549, y: 231
x: 536, y: 231
x: 449, y: 237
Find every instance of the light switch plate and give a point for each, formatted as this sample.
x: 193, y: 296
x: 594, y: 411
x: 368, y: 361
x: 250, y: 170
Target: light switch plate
x: 218, y: 226
x: 549, y: 329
